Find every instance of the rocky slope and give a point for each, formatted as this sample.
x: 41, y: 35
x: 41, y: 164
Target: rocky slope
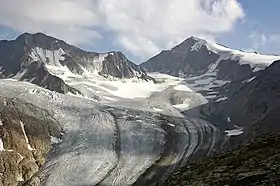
x: 26, y: 134
x: 253, y: 106
x: 255, y: 163
x: 39, y: 59
x: 249, y: 113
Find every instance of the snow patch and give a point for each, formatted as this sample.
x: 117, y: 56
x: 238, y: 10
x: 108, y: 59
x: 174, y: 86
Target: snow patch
x: 109, y: 98
x: 47, y: 56
x: 1, y: 145
x: 199, y: 44
x: 19, y: 177
x: 249, y: 80
x: 229, y: 119
x: 184, y: 106
x: 55, y: 140
x: 21, y: 157
x: 25, y: 136
x: 221, y: 99
x: 157, y: 110
x: 157, y: 75
x: 171, y: 125
x: 182, y: 88
x: 234, y: 132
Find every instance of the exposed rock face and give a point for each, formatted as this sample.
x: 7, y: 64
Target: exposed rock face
x: 117, y: 65
x: 25, y: 134
x: 32, y: 54
x: 253, y: 164
x: 230, y: 70
x: 254, y: 105
x: 37, y: 73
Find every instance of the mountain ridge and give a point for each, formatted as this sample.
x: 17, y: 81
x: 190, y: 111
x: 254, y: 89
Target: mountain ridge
x: 179, y: 60
x: 55, y: 56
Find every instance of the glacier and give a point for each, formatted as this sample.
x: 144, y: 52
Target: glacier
x: 119, y: 141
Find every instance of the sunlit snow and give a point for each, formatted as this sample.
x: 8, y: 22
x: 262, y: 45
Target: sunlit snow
x: 1, y: 145
x: 234, y: 132
x: 25, y: 136
x: 182, y: 88
x: 157, y: 109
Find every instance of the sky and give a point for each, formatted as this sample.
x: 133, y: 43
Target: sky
x: 143, y: 28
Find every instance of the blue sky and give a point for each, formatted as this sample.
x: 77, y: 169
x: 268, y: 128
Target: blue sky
x: 141, y: 29
x: 262, y: 19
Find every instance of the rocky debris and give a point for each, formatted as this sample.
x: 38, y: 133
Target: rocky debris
x: 25, y: 133
x: 256, y: 163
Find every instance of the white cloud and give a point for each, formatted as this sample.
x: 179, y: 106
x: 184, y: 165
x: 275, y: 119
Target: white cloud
x: 141, y: 27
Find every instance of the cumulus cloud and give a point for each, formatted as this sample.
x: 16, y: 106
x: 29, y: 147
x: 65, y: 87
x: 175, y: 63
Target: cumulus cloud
x: 140, y: 27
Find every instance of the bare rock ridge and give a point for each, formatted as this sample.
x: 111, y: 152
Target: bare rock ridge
x: 32, y: 57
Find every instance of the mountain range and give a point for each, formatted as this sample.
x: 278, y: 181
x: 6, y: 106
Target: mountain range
x: 73, y: 117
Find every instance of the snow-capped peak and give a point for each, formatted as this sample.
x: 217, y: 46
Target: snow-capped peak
x: 255, y: 60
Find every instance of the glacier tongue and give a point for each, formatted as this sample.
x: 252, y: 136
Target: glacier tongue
x: 123, y: 141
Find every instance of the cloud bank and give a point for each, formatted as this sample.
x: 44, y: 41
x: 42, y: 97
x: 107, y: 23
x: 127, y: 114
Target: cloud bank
x: 140, y: 27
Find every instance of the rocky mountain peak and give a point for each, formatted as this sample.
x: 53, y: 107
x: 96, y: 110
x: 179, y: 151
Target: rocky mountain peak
x: 188, y: 45
x: 196, y: 57
x: 41, y: 40
x: 29, y: 54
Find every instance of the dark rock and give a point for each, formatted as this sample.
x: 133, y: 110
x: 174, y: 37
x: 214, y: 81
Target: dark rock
x: 241, y: 166
x: 231, y: 70
x: 254, y: 105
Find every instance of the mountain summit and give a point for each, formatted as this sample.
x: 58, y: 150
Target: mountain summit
x: 196, y: 56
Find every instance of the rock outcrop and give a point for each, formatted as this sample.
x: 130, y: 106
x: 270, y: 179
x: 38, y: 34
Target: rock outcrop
x: 25, y: 138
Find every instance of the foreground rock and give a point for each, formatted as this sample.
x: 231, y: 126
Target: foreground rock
x: 25, y: 138
x: 256, y: 163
